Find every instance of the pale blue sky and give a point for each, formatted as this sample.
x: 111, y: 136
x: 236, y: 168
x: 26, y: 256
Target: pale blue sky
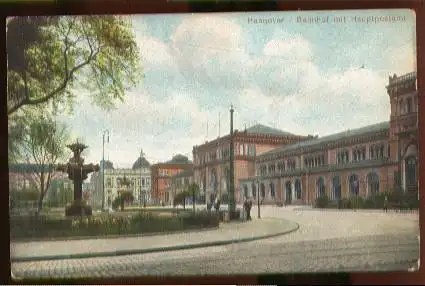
x: 301, y: 78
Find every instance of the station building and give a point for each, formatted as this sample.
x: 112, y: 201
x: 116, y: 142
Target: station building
x: 364, y: 161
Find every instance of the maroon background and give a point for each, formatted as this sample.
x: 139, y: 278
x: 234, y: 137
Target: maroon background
x: 161, y: 6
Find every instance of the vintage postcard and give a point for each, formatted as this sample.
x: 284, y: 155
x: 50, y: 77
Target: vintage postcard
x: 213, y: 144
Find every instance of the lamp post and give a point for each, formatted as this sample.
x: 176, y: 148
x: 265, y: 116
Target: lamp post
x: 105, y: 132
x: 142, y: 155
x: 258, y: 195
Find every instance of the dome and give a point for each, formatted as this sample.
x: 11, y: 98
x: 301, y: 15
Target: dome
x: 141, y: 163
x: 108, y: 164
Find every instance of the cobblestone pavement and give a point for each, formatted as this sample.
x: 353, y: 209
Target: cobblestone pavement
x: 326, y: 241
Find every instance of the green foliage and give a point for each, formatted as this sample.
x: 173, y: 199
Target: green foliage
x: 44, y: 143
x: 192, y: 191
x: 24, y: 195
x: 143, y: 222
x: 123, y: 198
x: 49, y: 58
x: 322, y: 202
x: 394, y: 199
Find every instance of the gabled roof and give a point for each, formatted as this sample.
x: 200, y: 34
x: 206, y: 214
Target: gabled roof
x: 333, y: 137
x: 262, y: 129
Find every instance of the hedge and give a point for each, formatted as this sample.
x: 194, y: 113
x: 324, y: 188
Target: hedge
x: 395, y: 200
x: 141, y: 223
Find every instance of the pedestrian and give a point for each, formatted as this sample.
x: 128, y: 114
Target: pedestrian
x: 248, y: 209
x: 245, y: 210
x: 386, y: 204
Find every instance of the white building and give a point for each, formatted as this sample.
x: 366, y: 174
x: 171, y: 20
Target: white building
x: 140, y: 183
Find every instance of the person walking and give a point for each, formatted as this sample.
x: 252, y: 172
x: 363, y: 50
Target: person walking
x: 386, y: 204
x: 248, y: 210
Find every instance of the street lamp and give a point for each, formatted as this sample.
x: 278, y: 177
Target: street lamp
x: 142, y: 155
x: 105, y: 132
x: 258, y: 195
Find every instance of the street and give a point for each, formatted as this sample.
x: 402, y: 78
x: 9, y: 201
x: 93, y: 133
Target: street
x: 325, y: 242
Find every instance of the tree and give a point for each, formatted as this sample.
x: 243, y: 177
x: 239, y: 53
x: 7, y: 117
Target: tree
x: 44, y: 143
x: 50, y: 57
x: 122, y: 198
x: 192, y: 191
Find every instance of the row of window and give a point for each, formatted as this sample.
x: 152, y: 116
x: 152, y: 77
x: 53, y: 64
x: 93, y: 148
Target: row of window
x: 110, y: 182
x: 354, y: 187
x: 181, y: 182
x: 244, y: 149
x: 342, y: 157
x: 314, y: 161
x: 408, y: 105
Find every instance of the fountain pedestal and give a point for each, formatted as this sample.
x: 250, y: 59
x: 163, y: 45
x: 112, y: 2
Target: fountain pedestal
x: 78, y: 172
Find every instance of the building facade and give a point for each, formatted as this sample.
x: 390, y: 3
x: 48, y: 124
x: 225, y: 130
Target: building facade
x: 25, y: 177
x: 162, y: 174
x: 364, y: 161
x: 179, y: 183
x: 140, y: 184
x: 212, y: 159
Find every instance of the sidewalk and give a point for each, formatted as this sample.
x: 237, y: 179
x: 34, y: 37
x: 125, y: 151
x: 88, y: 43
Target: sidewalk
x: 226, y: 234
x: 308, y: 208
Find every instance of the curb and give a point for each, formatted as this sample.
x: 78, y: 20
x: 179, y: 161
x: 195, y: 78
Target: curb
x: 150, y: 250
x: 112, y: 236
x: 356, y: 210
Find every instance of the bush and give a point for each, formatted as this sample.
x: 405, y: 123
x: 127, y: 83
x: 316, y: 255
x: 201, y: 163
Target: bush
x: 141, y: 223
x: 344, y: 204
x: 356, y: 202
x: 321, y: 202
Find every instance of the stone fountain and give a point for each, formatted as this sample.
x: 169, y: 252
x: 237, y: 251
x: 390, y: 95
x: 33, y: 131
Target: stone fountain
x: 77, y: 172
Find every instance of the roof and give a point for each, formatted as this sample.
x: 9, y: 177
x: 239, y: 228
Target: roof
x: 141, y: 163
x: 185, y: 173
x: 333, y: 137
x: 402, y: 79
x: 262, y: 129
x: 28, y: 168
x: 179, y: 159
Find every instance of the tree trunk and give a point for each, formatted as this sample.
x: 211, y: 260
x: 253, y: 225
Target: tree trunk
x: 40, y: 203
x: 193, y: 200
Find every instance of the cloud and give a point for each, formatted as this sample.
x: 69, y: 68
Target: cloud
x: 210, y: 50
x: 202, y: 64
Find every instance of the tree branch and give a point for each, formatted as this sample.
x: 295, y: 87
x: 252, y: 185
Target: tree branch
x: 63, y: 85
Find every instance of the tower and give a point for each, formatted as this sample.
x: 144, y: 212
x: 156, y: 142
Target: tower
x: 403, y: 133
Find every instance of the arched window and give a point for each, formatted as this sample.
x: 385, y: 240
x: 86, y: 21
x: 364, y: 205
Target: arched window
x: 263, y: 191
x: 411, y: 170
x: 320, y: 187
x: 336, y: 188
x: 254, y: 190
x: 373, y: 184
x: 401, y: 106
x: 245, y: 191
x: 272, y: 191
x: 409, y: 105
x: 298, y: 189
x: 354, y: 185
x: 288, y: 191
